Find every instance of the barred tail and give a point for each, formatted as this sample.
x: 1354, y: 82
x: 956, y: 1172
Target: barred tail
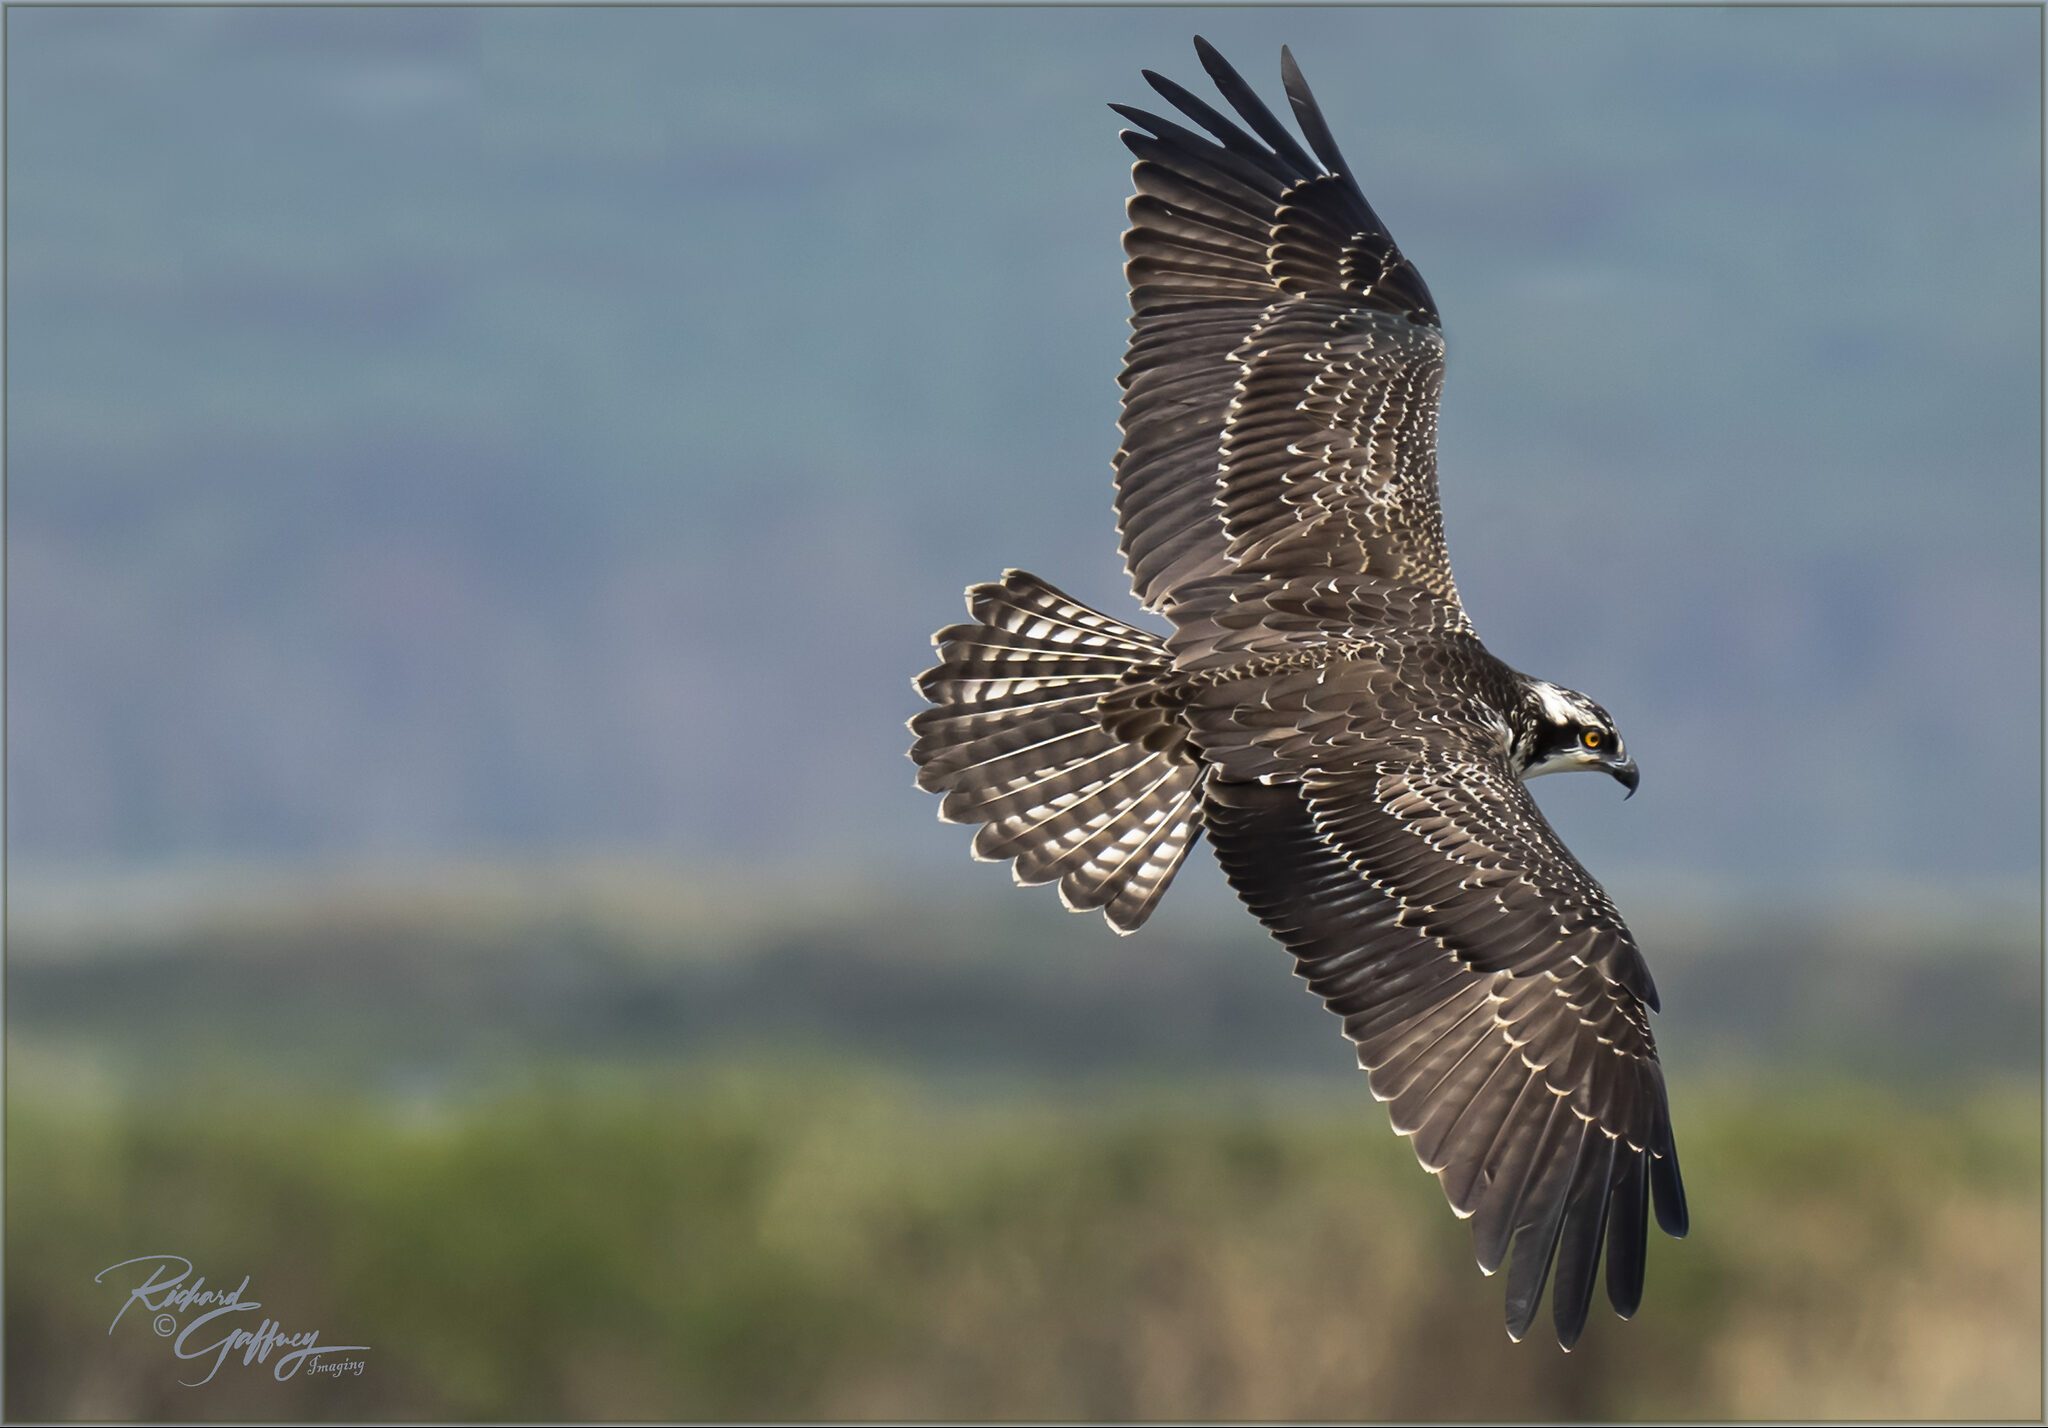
x: 1014, y: 742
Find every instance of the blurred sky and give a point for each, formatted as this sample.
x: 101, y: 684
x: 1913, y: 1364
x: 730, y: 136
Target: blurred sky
x: 473, y: 433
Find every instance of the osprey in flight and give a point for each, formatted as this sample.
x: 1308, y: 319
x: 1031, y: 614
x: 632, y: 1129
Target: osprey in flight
x: 1322, y: 708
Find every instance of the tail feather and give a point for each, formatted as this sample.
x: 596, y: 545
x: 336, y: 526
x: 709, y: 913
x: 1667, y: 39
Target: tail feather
x: 1104, y: 861
x: 1024, y: 787
x: 1014, y: 741
x: 1057, y: 829
x: 980, y: 746
x: 1142, y: 879
x: 992, y: 654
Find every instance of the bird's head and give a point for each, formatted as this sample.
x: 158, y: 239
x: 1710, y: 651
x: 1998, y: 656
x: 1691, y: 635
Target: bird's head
x: 1566, y: 730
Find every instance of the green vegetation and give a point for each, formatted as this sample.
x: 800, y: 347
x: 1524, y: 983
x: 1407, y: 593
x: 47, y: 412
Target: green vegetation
x: 584, y: 1144
x: 819, y: 1242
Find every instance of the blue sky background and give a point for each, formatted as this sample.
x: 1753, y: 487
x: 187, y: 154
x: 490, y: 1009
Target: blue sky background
x: 488, y: 433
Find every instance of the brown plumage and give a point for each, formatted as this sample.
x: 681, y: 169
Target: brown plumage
x: 1323, y: 708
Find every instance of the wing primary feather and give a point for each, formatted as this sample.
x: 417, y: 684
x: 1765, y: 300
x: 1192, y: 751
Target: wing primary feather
x: 1205, y: 114
x: 1252, y: 109
x: 1145, y: 119
x: 1316, y: 129
x: 1177, y: 138
x: 1535, y: 1247
x: 1530, y: 1134
x: 1464, y: 1142
x: 1541, y: 1225
x: 1585, y: 1231
x: 1628, y: 1234
x: 1672, y: 1215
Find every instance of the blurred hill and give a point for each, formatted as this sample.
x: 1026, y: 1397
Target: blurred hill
x: 424, y: 982
x: 477, y: 433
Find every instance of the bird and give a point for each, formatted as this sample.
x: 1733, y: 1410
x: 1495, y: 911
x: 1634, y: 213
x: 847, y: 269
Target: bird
x: 1321, y: 707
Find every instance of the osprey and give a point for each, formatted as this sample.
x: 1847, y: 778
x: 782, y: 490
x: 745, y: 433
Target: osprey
x: 1323, y: 709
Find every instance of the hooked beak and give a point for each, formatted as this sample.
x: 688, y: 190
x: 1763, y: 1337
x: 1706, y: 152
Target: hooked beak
x: 1626, y: 775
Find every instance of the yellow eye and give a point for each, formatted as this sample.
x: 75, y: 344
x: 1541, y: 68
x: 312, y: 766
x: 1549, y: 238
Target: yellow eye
x: 1592, y: 738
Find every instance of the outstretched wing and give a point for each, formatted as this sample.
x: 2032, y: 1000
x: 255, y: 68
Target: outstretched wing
x: 1497, y: 1002
x: 1281, y: 383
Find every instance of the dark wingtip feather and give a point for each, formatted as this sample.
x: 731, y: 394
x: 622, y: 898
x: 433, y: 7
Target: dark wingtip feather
x: 1134, y: 115
x: 1528, y: 1272
x: 1250, y: 108
x: 1578, y: 1251
x: 1169, y: 133
x: 1203, y: 114
x: 1309, y: 115
x: 1669, y: 1189
x: 1628, y: 1235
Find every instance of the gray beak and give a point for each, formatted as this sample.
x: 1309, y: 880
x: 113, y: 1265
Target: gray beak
x: 1626, y: 775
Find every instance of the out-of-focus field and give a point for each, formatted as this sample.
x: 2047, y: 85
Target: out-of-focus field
x: 561, y: 1154
x: 818, y: 1244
